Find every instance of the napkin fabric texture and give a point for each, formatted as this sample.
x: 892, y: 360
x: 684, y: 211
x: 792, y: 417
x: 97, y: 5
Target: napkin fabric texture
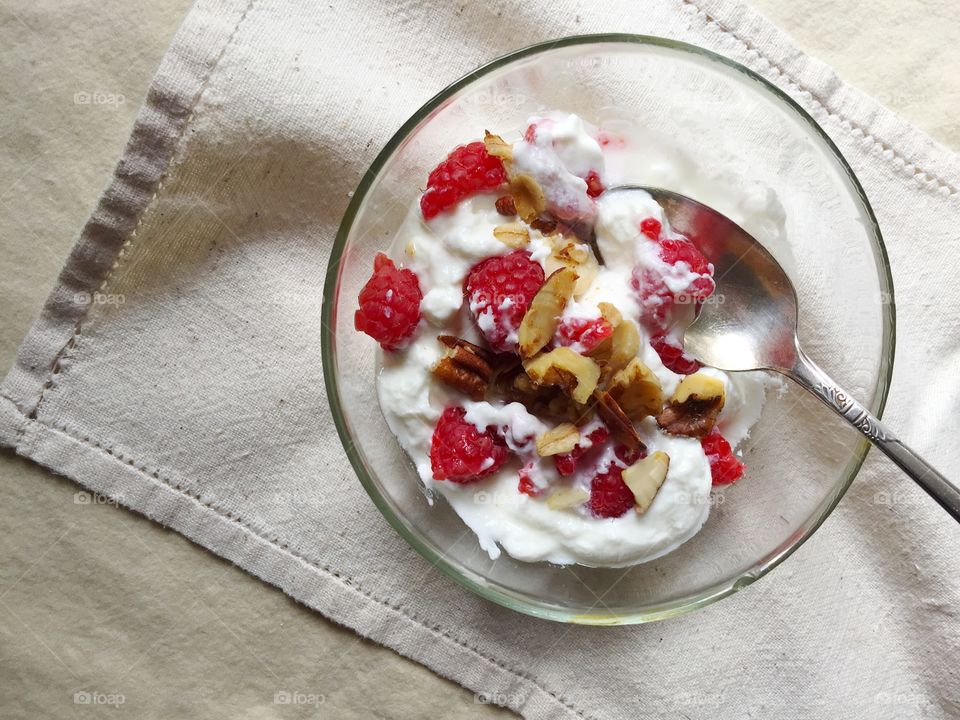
x: 176, y: 368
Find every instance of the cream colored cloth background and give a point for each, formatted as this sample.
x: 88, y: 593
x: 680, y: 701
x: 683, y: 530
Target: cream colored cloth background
x: 94, y: 599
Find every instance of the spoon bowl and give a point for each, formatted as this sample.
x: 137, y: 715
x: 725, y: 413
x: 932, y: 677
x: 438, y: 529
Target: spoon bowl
x: 750, y: 323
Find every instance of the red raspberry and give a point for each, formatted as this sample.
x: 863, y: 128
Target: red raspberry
x: 567, y: 462
x: 588, y: 333
x: 389, y: 304
x: 609, y: 495
x: 656, y: 299
x: 594, y: 186
x: 499, y: 290
x: 725, y: 467
x: 675, y: 250
x: 651, y: 227
x: 673, y: 357
x: 460, y: 453
x: 526, y: 485
x: 469, y: 169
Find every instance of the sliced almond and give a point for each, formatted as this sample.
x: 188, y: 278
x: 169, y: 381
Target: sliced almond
x: 637, y: 390
x: 601, y: 353
x: 694, y: 406
x: 624, y: 346
x: 620, y: 425
x: 514, y: 235
x: 497, y: 146
x: 558, y: 440
x: 540, y: 322
x: 574, y: 255
x: 528, y: 197
x: 565, y: 498
x: 574, y: 374
x: 645, y: 477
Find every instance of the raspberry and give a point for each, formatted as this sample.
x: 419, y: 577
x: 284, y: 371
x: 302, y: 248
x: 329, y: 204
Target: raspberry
x: 499, y: 290
x: 673, y: 357
x: 566, y: 463
x: 594, y: 186
x: 588, y: 333
x: 676, y: 250
x: 460, y: 453
x: 389, y: 304
x: 651, y: 227
x: 526, y: 485
x: 725, y: 467
x: 656, y: 299
x: 609, y: 495
x: 469, y: 169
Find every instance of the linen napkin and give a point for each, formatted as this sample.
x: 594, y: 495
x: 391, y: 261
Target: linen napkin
x: 175, y: 368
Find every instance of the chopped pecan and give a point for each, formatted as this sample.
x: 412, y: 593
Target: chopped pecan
x: 694, y: 406
x: 505, y: 206
x: 544, y: 223
x: 464, y: 366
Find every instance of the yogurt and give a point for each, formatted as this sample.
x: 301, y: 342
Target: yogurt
x: 559, y: 152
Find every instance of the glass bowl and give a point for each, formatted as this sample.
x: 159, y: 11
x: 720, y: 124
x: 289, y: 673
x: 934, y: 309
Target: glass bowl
x: 800, y: 458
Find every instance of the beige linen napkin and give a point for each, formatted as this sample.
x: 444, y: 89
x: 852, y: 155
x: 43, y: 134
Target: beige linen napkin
x: 175, y: 368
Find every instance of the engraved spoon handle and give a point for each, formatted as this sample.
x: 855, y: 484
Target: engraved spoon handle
x: 808, y: 374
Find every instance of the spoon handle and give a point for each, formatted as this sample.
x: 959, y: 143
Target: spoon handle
x: 808, y: 374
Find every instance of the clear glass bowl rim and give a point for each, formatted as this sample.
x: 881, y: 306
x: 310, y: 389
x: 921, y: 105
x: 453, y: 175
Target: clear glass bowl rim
x: 545, y: 610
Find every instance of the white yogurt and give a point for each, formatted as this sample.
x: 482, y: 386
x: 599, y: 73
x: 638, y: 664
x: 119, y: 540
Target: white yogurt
x: 442, y: 252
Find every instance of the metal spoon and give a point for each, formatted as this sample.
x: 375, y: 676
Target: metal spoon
x: 756, y: 328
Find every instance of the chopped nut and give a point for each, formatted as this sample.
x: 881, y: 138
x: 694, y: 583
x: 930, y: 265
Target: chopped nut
x: 565, y: 498
x: 636, y: 390
x: 545, y: 224
x: 601, y: 353
x: 645, y: 477
x: 540, y: 322
x: 694, y: 406
x: 527, y: 197
x: 505, y: 206
x: 464, y: 366
x: 620, y: 425
x: 561, y: 439
x: 624, y: 346
x: 574, y: 374
x: 497, y: 146
x: 570, y: 254
x: 513, y: 235
x: 410, y: 248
